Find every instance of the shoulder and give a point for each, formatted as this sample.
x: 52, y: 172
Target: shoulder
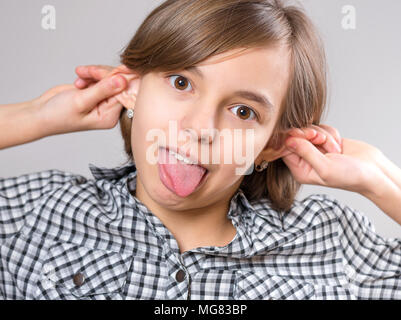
x: 38, y: 180
x: 302, y: 212
x: 21, y: 196
x: 347, y: 215
x: 347, y: 221
x: 61, y: 205
x: 315, y: 210
x: 312, y: 220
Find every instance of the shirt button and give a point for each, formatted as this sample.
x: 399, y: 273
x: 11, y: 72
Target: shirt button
x: 78, y: 279
x: 180, y: 276
x: 81, y: 180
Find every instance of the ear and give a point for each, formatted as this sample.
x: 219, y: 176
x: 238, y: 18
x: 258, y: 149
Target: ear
x: 128, y: 97
x: 274, y: 149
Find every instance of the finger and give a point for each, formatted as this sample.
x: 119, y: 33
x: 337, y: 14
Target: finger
x: 92, y: 71
x: 307, y: 133
x: 121, y: 69
x: 108, y: 104
x: 95, y: 72
x: 81, y: 83
x: 314, y: 136
x: 90, y: 97
x: 83, y: 72
x: 106, y: 114
x: 292, y: 158
x: 326, y: 140
x: 307, y: 151
x: 320, y: 138
x: 334, y: 132
x: 284, y: 152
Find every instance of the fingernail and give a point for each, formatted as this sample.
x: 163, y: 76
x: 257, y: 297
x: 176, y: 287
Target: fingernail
x: 116, y: 81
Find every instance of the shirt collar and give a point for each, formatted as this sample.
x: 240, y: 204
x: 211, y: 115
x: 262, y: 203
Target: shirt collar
x: 123, y: 171
x: 112, y: 173
x: 239, y: 198
x: 240, y: 210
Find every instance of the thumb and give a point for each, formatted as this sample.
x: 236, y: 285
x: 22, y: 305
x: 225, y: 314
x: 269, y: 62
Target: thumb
x: 106, y: 88
x: 307, y: 151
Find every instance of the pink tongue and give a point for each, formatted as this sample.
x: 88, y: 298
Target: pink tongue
x: 177, y: 176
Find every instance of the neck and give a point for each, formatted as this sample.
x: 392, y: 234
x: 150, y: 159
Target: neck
x: 193, y: 228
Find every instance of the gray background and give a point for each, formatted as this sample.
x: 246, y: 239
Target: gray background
x: 365, y: 81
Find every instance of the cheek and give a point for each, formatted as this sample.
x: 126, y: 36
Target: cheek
x: 154, y: 111
x: 149, y: 130
x: 141, y: 125
x: 147, y: 116
x: 253, y: 141
x: 226, y: 176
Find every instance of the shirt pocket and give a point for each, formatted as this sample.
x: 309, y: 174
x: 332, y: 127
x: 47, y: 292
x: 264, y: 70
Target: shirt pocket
x: 261, y: 286
x: 79, y: 271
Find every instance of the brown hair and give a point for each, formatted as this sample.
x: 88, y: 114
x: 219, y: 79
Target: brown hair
x: 182, y: 33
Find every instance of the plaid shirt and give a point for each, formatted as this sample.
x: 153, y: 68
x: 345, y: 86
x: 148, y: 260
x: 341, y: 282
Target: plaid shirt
x: 65, y: 237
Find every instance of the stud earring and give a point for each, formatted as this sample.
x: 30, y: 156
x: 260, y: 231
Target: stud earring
x: 262, y: 166
x: 130, y: 113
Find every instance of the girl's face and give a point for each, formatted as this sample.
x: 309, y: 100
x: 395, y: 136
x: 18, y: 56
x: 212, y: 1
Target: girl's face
x: 201, y: 103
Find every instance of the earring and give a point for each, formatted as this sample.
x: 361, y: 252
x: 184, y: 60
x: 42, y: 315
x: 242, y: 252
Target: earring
x: 130, y: 113
x: 262, y: 166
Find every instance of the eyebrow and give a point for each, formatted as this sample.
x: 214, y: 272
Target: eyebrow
x: 196, y: 70
x: 246, y: 94
x: 257, y: 97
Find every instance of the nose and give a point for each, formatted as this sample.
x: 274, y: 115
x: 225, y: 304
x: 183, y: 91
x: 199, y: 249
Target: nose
x: 201, y: 126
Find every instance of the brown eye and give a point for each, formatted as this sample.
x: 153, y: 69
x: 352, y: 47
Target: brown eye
x: 180, y: 82
x: 244, y: 113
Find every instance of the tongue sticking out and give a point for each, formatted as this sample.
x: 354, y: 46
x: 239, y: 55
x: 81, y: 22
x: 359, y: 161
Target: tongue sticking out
x: 179, y: 177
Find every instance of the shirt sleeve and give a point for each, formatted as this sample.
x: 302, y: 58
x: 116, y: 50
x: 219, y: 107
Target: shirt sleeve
x: 372, y: 264
x: 20, y: 195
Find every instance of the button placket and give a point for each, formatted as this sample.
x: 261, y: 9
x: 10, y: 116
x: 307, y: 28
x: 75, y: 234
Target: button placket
x: 47, y: 284
x: 180, y: 288
x: 49, y: 273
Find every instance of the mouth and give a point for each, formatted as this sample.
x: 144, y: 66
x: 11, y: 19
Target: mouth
x: 186, y: 158
x: 179, y: 174
x: 203, y: 180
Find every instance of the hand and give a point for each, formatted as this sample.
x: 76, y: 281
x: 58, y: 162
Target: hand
x: 322, y: 157
x: 66, y: 109
x: 91, y: 74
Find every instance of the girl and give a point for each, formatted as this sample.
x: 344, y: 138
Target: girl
x: 193, y: 228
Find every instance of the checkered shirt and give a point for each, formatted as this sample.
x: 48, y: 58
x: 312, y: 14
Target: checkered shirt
x: 63, y: 236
